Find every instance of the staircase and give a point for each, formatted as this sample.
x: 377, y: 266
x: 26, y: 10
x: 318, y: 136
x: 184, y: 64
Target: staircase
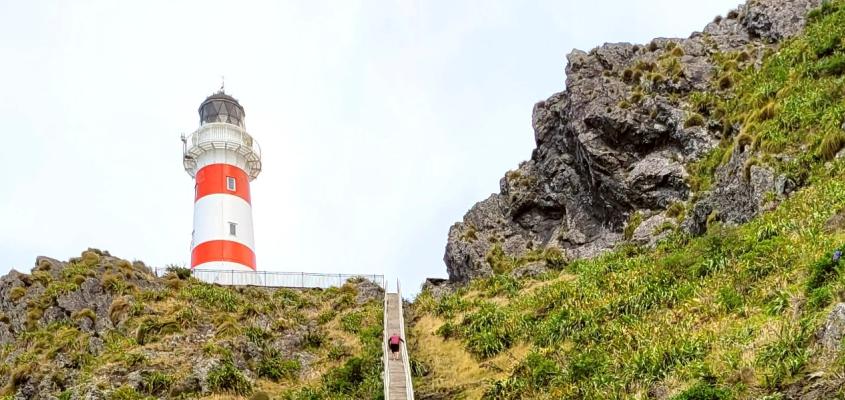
x: 397, y: 374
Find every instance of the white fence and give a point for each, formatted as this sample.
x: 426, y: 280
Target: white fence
x: 276, y: 279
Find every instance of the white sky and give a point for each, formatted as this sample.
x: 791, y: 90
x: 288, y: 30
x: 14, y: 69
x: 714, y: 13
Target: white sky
x: 381, y: 123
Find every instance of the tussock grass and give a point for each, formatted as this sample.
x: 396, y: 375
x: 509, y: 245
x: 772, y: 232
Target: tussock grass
x: 737, y: 306
x: 793, y: 104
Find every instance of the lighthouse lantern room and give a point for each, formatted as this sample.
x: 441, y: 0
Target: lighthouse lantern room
x: 223, y: 159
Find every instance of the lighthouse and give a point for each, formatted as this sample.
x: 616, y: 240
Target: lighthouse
x: 223, y: 159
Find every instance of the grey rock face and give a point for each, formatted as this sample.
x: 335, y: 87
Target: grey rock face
x: 830, y: 335
x: 651, y: 230
x: 739, y: 193
x: 530, y: 270
x: 438, y: 287
x: 368, y: 290
x: 605, y: 150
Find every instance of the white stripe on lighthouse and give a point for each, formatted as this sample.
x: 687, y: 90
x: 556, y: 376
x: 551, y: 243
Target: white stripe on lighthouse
x: 214, y: 212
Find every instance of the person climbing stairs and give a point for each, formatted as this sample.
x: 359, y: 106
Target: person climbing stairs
x: 397, y: 375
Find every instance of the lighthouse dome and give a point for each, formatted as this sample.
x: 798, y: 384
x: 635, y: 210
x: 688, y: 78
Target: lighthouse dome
x: 220, y: 107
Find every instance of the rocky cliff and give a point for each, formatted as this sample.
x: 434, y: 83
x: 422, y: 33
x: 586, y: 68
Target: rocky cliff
x: 617, y: 149
x: 99, y: 327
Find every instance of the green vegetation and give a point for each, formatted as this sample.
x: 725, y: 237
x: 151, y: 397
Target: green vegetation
x: 274, y: 367
x: 225, y: 377
x: 737, y: 306
x: 251, y: 340
x: 731, y: 314
x: 793, y: 105
x: 634, y: 221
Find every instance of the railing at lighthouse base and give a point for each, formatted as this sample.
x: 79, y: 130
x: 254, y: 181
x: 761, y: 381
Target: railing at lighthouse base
x: 276, y: 279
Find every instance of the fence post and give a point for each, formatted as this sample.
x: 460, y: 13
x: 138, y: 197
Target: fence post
x: 302, y: 280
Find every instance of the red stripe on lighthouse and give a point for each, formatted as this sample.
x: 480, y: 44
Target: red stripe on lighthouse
x: 212, y: 179
x: 222, y: 250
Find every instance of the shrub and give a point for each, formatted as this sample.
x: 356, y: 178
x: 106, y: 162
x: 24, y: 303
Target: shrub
x: 118, y: 309
x: 338, y: 351
x: 16, y: 293
x: 125, y: 393
x: 488, y: 331
x: 42, y: 277
x: 537, y: 370
x: 33, y: 316
x: 149, y: 330
x: 260, y: 396
x: 274, y: 367
x: 636, y: 96
x: 676, y: 210
x: 226, y: 378
x: 498, y: 285
x: 115, y: 283
x: 449, y: 305
x: 819, y: 298
x: 227, y: 328
x: 704, y: 391
x: 84, y: 313
x: 726, y: 82
x: 448, y: 330
x: 821, y: 272
x: 785, y: 356
x: 555, y: 258
x: 90, y: 258
x: 351, y: 377
x: 634, y: 221
x: 693, y: 119
x: 313, y: 338
x: 289, y: 299
x: 351, y: 322
x: 831, y: 144
x: 730, y: 299
x: 257, y: 335
x: 155, y: 382
x: 499, y: 261
x: 187, y: 317
x: 326, y: 316
x: 56, y: 289
x: 586, y: 364
x: 180, y: 272
x: 212, y: 296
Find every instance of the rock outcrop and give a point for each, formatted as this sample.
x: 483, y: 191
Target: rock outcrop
x: 99, y: 327
x: 618, y: 141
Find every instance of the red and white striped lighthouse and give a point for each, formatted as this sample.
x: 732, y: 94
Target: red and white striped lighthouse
x: 223, y: 159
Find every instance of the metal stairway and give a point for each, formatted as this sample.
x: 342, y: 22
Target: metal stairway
x: 397, y: 373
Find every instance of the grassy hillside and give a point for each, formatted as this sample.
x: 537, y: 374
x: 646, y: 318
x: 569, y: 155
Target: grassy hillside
x: 733, y: 313
x: 141, y: 337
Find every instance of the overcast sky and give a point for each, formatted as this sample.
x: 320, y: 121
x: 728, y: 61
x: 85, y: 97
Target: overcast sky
x: 381, y: 122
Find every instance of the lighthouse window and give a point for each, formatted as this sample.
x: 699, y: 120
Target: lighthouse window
x: 233, y: 228
x: 230, y: 183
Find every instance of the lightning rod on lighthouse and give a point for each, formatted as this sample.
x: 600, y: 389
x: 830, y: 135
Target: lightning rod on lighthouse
x: 223, y: 159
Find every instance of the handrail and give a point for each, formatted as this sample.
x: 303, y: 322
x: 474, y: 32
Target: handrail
x: 384, y: 354
x: 409, y: 386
